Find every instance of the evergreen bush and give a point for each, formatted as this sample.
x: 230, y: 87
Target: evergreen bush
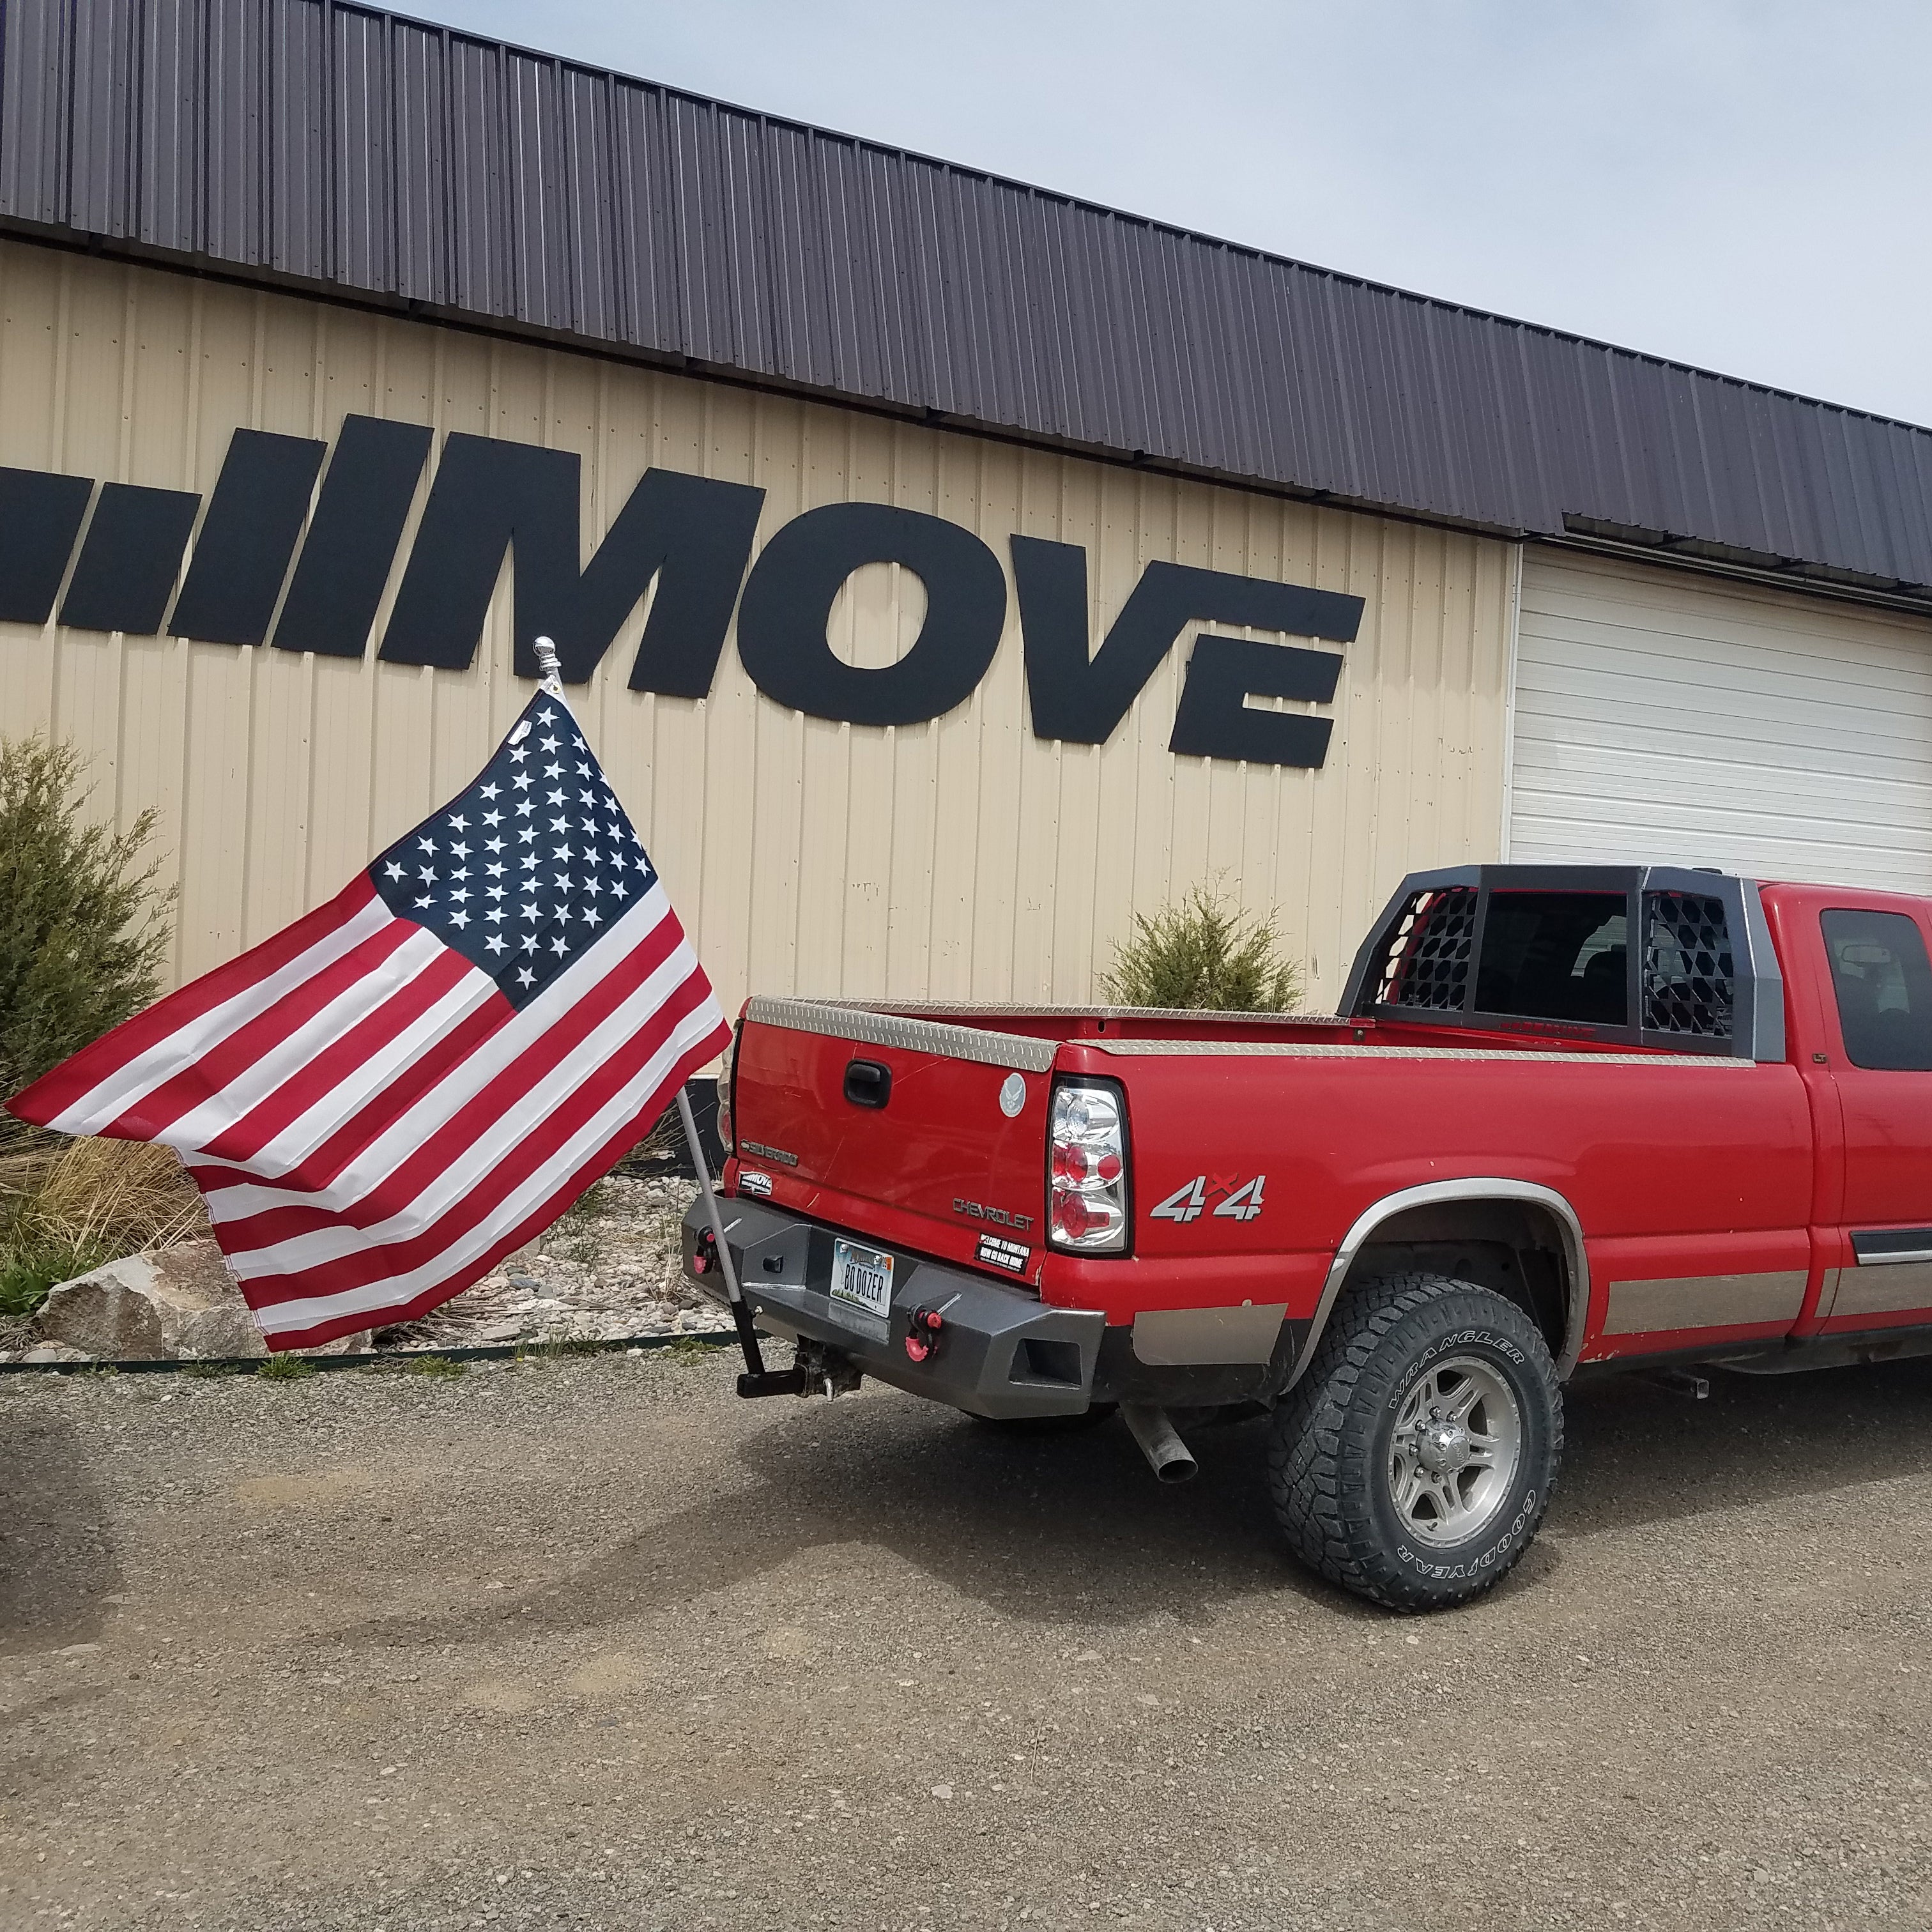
x: 1203, y: 955
x: 83, y: 930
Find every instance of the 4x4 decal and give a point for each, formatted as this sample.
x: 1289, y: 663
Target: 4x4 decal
x: 1241, y: 1202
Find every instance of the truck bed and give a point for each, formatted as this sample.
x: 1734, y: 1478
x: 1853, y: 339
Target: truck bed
x: 1322, y: 1111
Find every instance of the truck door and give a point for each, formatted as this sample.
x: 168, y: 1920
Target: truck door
x: 1881, y: 1006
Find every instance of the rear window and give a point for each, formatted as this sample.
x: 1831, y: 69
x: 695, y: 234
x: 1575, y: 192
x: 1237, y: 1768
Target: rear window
x: 1884, y: 985
x: 1556, y: 956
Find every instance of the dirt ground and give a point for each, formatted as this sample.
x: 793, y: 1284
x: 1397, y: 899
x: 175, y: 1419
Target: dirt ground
x: 590, y: 1643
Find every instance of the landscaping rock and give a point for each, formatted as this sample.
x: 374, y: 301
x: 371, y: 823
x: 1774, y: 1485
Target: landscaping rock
x: 179, y: 1305
x: 609, y: 1270
x: 111, y: 1314
x: 202, y: 1314
x: 56, y: 1352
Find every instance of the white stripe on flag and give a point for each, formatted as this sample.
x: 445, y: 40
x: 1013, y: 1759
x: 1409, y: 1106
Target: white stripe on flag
x: 295, y: 1051
x: 453, y: 1182
x: 345, y: 1099
x: 459, y: 1084
x: 395, y: 1291
x: 107, y: 1101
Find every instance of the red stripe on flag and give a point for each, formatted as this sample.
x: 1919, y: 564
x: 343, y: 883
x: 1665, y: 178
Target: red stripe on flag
x: 475, y: 1118
x: 52, y: 1094
x: 386, y: 1260
x: 380, y: 1111
x: 239, y: 1052
x: 345, y: 1056
x: 496, y: 1104
x: 527, y: 1229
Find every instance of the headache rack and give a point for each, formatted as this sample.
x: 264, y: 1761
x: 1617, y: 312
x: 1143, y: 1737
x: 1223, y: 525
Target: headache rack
x: 1649, y: 956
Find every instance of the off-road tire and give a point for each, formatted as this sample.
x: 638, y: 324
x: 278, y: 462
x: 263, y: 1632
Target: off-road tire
x: 1329, y: 1467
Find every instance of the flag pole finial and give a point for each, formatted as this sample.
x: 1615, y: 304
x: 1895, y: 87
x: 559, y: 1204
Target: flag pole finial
x: 547, y: 665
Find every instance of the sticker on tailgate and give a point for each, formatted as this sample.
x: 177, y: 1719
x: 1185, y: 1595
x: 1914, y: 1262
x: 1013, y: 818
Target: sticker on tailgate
x: 994, y: 1252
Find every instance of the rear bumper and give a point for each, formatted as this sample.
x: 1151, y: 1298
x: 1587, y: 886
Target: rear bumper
x: 1002, y: 1351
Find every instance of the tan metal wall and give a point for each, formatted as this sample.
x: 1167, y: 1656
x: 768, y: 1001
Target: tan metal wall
x: 962, y: 858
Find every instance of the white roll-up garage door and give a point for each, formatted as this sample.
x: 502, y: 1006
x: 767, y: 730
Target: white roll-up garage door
x: 1664, y: 717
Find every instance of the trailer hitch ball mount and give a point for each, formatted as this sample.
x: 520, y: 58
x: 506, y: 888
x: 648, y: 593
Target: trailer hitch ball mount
x: 817, y: 1369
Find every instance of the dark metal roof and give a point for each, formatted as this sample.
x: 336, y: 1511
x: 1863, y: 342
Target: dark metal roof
x: 379, y: 159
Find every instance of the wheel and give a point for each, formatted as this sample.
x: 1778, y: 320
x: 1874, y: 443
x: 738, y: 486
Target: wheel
x: 1089, y: 1418
x: 1413, y: 1462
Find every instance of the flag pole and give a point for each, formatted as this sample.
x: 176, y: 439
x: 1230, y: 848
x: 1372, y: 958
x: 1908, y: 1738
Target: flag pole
x: 551, y: 685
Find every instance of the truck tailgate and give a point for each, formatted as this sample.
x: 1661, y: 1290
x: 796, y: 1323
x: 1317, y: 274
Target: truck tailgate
x: 953, y: 1163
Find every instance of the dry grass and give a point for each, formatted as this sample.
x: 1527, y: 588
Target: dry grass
x: 67, y: 1206
x: 666, y: 1137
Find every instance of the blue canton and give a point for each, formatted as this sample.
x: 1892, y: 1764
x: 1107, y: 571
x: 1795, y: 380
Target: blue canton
x: 524, y: 871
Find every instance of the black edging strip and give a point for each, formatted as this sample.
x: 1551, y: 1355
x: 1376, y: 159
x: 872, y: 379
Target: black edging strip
x: 501, y: 1351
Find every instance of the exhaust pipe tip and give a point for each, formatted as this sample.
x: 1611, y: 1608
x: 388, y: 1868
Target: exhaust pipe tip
x: 1168, y: 1456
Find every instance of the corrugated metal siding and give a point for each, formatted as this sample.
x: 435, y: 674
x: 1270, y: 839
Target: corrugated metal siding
x: 417, y: 164
x: 1665, y: 719
x: 964, y: 858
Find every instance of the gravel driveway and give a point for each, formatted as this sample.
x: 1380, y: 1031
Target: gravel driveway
x: 591, y: 1643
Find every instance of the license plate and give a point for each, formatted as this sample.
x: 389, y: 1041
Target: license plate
x: 863, y: 1276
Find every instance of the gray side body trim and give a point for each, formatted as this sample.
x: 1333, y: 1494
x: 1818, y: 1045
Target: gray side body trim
x: 1889, y: 1289
x: 1703, y: 1301
x: 1187, y: 1337
x: 1576, y: 1262
x: 866, y: 1028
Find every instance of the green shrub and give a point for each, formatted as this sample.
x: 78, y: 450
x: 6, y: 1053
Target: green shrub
x: 32, y: 1261
x: 83, y: 931
x: 82, y: 934
x: 1203, y: 955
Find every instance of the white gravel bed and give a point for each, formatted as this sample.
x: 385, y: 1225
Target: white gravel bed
x: 611, y: 1269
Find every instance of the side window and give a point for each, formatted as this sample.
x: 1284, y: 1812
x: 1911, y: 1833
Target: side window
x: 1556, y: 956
x: 1884, y: 985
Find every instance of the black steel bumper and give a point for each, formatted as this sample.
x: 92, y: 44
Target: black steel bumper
x: 1001, y: 1352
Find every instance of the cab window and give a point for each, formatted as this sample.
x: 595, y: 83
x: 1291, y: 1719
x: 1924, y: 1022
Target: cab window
x: 1884, y: 986
x: 1556, y: 956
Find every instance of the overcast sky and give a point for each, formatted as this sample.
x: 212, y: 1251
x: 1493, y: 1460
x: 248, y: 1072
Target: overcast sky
x: 1740, y: 184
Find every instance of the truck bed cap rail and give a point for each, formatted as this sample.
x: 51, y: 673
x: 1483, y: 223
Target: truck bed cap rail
x: 865, y: 1026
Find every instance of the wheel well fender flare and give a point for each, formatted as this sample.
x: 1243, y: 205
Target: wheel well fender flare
x: 1577, y: 1264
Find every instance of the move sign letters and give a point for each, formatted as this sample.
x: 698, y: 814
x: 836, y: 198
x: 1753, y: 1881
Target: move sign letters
x: 693, y: 536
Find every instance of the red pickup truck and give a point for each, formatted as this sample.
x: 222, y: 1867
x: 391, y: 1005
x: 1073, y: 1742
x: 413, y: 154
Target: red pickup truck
x: 1567, y: 1118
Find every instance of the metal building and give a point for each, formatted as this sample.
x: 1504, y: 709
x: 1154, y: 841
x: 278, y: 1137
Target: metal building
x: 950, y: 569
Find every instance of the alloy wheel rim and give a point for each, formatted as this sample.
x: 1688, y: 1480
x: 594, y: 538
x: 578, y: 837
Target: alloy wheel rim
x: 1454, y: 1453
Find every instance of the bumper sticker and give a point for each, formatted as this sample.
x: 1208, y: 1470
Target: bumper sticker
x: 1009, y: 1255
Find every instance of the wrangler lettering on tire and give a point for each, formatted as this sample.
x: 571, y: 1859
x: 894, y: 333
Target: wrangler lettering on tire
x: 1414, y: 1461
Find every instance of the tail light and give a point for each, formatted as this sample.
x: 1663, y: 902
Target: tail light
x: 727, y: 1077
x: 1087, y: 1168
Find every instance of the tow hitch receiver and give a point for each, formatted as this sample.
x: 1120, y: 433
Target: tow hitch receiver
x: 816, y: 1369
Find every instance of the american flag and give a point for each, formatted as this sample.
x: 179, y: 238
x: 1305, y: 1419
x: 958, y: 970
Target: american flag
x: 383, y: 1100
